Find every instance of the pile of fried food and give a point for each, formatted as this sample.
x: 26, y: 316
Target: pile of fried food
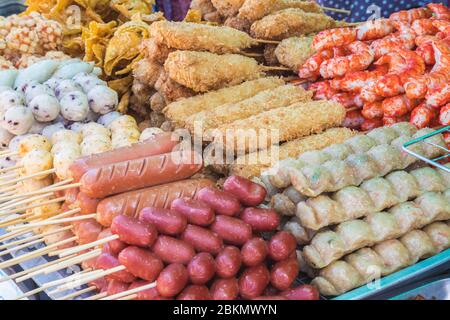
x: 360, y: 208
x: 385, y: 70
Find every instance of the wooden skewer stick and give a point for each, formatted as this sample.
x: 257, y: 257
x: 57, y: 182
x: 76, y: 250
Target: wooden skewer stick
x: 38, y: 267
x: 36, y: 253
x: 49, y: 285
x: 9, y: 154
x: 4, y: 152
x: 128, y: 292
x: 97, y: 296
x: 130, y: 297
x: 252, y: 54
x: 16, y: 219
x: 14, y: 203
x: 31, y: 206
x: 336, y: 10
x: 25, y: 245
x: 41, y: 235
x: 30, y: 176
x: 77, y: 293
x: 267, y: 41
x: 65, y: 252
x: 61, y: 265
x: 8, y: 176
x: 273, y: 68
x: 56, y: 221
x: 91, y: 277
x: 17, y: 166
x: 62, y: 185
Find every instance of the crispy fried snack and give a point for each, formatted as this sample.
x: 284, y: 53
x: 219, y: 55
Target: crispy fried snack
x: 200, y: 37
x: 147, y: 72
x: 207, y: 10
x: 290, y: 23
x: 205, y: 71
x: 253, y: 10
x: 292, y: 122
x: 293, y: 52
x: 245, y: 168
x: 266, y: 100
x: 178, y: 111
x: 227, y: 8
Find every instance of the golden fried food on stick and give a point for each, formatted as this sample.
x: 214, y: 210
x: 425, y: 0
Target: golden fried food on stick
x: 227, y: 8
x: 147, y: 72
x: 290, y: 23
x: 253, y: 10
x: 171, y: 90
x: 205, y: 71
x: 292, y: 122
x: 293, y: 52
x: 177, y: 112
x: 200, y: 37
x: 206, y: 9
x: 243, y: 165
x: 265, y: 100
x: 155, y: 51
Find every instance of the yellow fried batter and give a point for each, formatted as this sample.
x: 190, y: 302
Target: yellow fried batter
x: 266, y: 100
x: 200, y: 37
x: 253, y: 10
x: 293, y: 52
x: 290, y: 23
x: 227, y: 8
x: 177, y: 112
x: 205, y: 71
x: 291, y: 149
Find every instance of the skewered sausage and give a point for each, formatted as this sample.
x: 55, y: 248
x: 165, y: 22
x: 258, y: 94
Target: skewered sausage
x: 302, y: 292
x: 197, y: 212
x: 139, y: 173
x: 248, y: 192
x: 141, y: 263
x: 133, y: 231
x: 253, y: 281
x: 166, y: 221
x: 283, y: 273
x: 222, y: 202
x: 261, y: 220
x: 172, y: 250
x: 172, y: 280
x: 195, y: 292
x: 225, y: 289
x: 282, y: 245
x: 202, y: 268
x: 114, y: 246
x: 232, y: 230
x: 254, y: 252
x: 228, y: 262
x: 202, y: 239
x: 107, y: 261
x: 131, y: 203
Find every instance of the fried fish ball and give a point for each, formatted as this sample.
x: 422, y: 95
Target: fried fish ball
x: 18, y: 120
x: 122, y: 121
x: 33, y: 142
x: 106, y: 119
x: 45, y: 107
x: 290, y: 23
x: 253, y: 10
x: 205, y: 71
x: 122, y: 141
x: 293, y: 52
x: 200, y: 37
x: 93, y: 128
x: 178, y: 111
x: 59, y: 146
x: 74, y: 106
x: 102, y: 99
x: 66, y: 135
x: 149, y: 133
x: 47, y: 210
x: 36, y: 161
x: 62, y: 161
x: 130, y: 131
x: 95, y: 144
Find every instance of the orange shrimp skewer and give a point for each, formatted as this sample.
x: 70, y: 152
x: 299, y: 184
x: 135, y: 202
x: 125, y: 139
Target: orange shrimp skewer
x: 440, y: 11
x: 311, y: 68
x: 439, y: 96
x: 374, y: 29
x: 424, y: 27
x: 403, y: 39
x: 322, y: 90
x: 426, y: 51
x: 356, y: 81
x: 334, y: 38
x: 360, y: 58
x: 409, y: 16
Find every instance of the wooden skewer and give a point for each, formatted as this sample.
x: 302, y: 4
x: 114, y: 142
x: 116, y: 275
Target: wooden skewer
x: 31, y: 206
x: 61, y: 265
x: 56, y: 221
x: 17, y: 166
x: 30, y: 176
x: 130, y: 297
x: 77, y: 293
x: 4, y: 152
x: 14, y: 203
x: 252, y: 54
x: 273, y: 68
x: 62, y: 185
x: 25, y: 245
x: 20, y: 241
x: 48, y: 285
x: 36, y: 253
x: 128, y: 292
x: 9, y: 154
x: 336, y: 10
x: 38, y: 267
x: 88, y: 278
x: 16, y: 219
x: 97, y: 296
x: 8, y: 177
x: 65, y: 252
x: 267, y: 41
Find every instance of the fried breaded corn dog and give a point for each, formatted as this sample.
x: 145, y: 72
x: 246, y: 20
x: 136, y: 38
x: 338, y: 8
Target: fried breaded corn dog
x: 205, y: 71
x: 178, y: 111
x: 200, y: 37
x: 227, y: 8
x: 243, y: 167
x: 292, y: 122
x: 290, y: 23
x: 293, y: 52
x: 253, y: 10
x: 263, y: 101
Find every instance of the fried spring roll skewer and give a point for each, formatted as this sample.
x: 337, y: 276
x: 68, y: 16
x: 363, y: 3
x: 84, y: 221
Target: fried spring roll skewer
x: 385, y: 258
x: 227, y: 8
x: 205, y: 71
x: 178, y: 111
x: 290, y: 23
x: 293, y: 52
x: 295, y: 121
x: 200, y: 37
x: 263, y: 101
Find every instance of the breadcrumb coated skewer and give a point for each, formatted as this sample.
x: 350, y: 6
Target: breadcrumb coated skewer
x: 290, y: 23
x: 266, y: 100
x: 178, y: 111
x: 293, y: 52
x: 200, y: 37
x: 205, y: 71
x: 294, y: 148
